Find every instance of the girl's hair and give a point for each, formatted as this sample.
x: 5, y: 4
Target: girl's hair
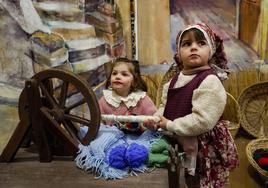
x: 133, y: 66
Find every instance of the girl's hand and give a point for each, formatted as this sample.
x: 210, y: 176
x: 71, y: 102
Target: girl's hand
x: 150, y: 124
x: 163, y: 123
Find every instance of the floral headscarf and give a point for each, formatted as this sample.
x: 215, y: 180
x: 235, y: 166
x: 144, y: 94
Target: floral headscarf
x: 218, y: 60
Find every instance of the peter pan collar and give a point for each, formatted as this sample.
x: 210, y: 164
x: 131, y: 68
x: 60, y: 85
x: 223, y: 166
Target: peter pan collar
x: 131, y: 100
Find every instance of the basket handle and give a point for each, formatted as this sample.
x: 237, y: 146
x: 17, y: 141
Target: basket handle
x: 232, y: 97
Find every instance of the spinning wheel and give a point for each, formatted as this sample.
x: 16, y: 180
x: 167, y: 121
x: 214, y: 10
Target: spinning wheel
x: 50, y: 106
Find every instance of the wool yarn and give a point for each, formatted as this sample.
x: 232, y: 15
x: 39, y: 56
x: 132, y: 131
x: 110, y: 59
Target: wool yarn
x: 117, y: 157
x: 136, y: 155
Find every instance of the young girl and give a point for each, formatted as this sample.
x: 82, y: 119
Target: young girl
x: 114, y: 154
x: 192, y: 106
x: 125, y: 93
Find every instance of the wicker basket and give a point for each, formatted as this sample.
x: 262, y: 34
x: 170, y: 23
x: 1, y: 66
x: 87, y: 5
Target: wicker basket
x: 253, y: 115
x: 251, y: 148
x: 232, y: 106
x: 253, y: 111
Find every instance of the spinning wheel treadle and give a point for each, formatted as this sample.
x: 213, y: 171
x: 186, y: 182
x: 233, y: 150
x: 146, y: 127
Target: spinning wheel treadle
x: 50, y: 105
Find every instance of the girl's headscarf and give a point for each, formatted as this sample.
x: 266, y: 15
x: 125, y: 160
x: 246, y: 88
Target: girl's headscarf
x: 217, y: 60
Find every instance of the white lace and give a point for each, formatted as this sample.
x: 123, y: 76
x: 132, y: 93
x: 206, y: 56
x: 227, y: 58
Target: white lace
x: 131, y: 100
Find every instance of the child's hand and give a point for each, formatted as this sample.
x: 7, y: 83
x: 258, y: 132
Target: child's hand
x: 150, y: 124
x: 162, y: 123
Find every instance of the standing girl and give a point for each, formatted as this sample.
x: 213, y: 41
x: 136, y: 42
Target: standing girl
x: 192, y: 107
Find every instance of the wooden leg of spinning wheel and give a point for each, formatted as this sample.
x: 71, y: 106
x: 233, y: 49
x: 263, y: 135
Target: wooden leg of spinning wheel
x: 172, y: 175
x: 15, y: 141
x: 175, y: 178
x: 265, y: 184
x: 37, y: 120
x: 71, y: 144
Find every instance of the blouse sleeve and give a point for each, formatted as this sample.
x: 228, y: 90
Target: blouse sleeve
x: 102, y: 105
x: 208, y: 102
x: 148, y: 105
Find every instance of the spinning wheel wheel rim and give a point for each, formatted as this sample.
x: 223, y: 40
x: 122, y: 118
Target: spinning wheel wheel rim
x: 59, y: 113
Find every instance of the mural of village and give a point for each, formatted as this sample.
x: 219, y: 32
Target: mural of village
x: 66, y: 35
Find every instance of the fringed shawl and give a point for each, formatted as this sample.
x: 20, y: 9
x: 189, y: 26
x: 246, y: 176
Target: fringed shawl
x: 95, y: 156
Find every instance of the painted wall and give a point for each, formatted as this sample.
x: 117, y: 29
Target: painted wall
x: 153, y: 31
x: 15, y: 65
x: 253, y: 25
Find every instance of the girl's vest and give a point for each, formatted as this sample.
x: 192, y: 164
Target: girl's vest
x: 179, y: 100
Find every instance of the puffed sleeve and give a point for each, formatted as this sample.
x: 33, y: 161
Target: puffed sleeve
x: 149, y: 107
x: 102, y: 104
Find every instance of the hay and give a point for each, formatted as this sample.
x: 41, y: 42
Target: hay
x: 153, y: 81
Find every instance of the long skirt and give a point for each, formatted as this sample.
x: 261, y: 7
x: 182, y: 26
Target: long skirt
x: 217, y: 156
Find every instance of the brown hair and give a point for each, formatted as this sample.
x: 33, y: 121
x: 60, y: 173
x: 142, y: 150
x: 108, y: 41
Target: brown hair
x: 134, y: 68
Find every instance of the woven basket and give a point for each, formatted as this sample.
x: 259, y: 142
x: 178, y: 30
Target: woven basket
x: 253, y: 111
x: 252, y: 146
x: 253, y: 115
x: 234, y: 125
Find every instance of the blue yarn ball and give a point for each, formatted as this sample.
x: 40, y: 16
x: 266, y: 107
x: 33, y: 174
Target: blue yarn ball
x: 136, y: 155
x: 116, y: 157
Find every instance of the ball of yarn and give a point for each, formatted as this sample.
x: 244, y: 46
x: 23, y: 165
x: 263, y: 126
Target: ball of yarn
x: 117, y: 158
x: 136, y: 155
x: 157, y: 159
x: 160, y: 146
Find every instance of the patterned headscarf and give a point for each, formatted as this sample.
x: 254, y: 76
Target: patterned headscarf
x: 217, y: 60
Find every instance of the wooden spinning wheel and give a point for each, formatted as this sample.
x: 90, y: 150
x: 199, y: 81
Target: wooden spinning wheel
x: 51, y: 104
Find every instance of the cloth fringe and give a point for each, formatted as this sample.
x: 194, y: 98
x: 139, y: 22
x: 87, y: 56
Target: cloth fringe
x: 93, y: 157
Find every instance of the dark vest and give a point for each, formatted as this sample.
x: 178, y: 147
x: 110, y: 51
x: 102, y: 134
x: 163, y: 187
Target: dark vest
x: 179, y: 100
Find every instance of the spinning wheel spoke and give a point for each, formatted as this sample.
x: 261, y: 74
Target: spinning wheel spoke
x: 63, y: 94
x: 47, y: 113
x: 50, y: 98
x: 72, y: 125
x: 48, y: 84
x: 77, y: 119
x: 71, y: 129
x: 66, y: 126
x: 79, y: 103
x: 72, y: 92
x: 56, y: 126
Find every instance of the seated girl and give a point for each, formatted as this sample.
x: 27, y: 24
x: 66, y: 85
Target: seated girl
x: 115, y: 153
